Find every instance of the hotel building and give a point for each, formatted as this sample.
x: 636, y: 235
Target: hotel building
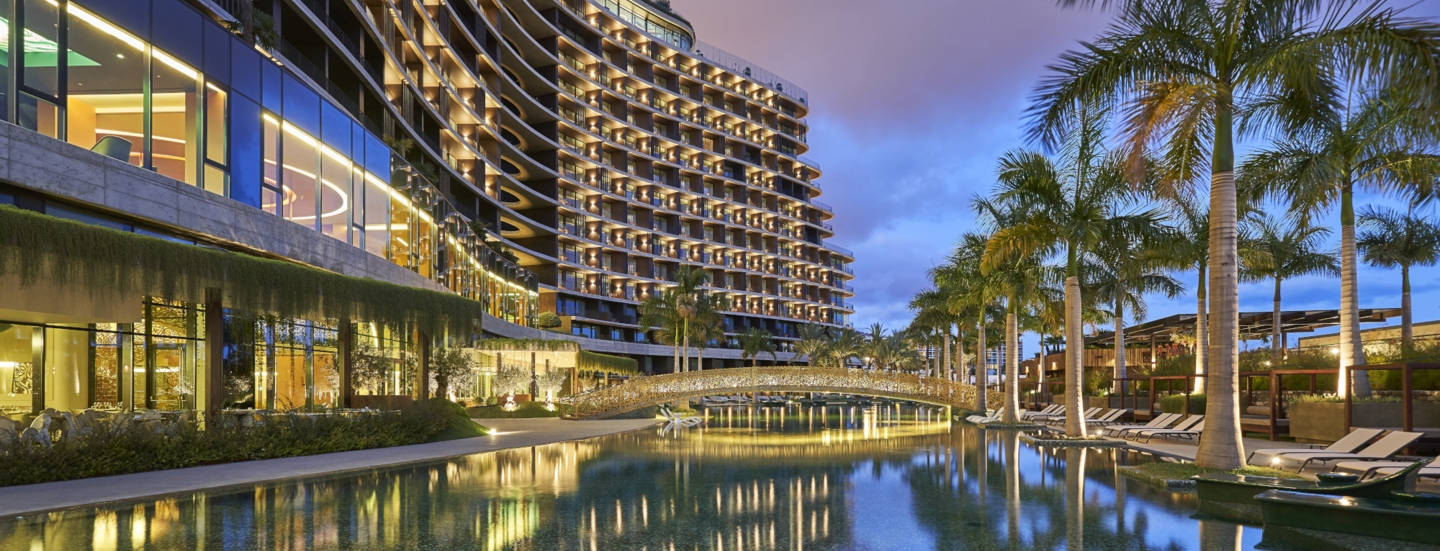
x: 533, y: 156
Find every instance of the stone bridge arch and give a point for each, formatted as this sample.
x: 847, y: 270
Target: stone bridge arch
x: 649, y: 391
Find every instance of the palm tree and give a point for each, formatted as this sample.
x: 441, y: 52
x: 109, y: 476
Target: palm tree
x: 847, y: 343
x: 933, y: 310
x: 1275, y: 250
x: 707, y: 324
x: 1133, y: 267
x: 973, y: 295
x: 755, y: 342
x: 1189, y: 248
x: 873, y: 338
x: 1390, y: 238
x: 1064, y: 206
x: 658, y: 313
x: 813, y: 341
x: 688, y: 296
x: 1370, y: 145
x: 1185, y: 70
x: 1026, y: 284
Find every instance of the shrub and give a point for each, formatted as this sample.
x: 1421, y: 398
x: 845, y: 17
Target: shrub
x: 548, y: 320
x: 523, y: 410
x: 1175, y: 403
x: 110, y: 450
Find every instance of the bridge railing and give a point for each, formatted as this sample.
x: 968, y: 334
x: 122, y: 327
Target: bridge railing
x: 647, y: 391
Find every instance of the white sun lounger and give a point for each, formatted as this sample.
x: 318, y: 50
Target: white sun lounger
x: 1185, y: 425
x: 1348, y: 444
x: 1159, y: 422
x: 1383, y: 448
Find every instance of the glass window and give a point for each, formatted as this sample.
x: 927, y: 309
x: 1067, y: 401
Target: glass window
x: 18, y: 362
x: 299, y: 177
x: 376, y: 215
x: 38, y: 115
x: 217, y: 158
x: 334, y: 194
x: 270, y: 197
x: 174, y: 118
x: 41, y: 47
x: 106, y: 85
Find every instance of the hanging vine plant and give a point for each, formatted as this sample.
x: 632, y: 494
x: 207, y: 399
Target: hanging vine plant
x: 605, y: 363
x: 108, y: 262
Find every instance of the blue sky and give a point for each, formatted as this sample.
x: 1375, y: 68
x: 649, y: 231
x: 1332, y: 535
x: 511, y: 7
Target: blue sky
x: 912, y: 103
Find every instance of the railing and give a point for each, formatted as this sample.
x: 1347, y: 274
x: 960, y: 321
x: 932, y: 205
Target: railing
x: 642, y: 392
x: 740, y: 66
x: 808, y: 161
x: 822, y: 206
x: 839, y: 249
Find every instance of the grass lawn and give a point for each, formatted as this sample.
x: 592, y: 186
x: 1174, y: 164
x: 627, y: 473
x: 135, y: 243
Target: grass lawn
x: 1158, y: 472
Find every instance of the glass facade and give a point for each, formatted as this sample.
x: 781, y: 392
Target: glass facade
x: 269, y: 142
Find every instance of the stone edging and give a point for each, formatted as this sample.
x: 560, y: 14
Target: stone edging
x: 1055, y: 443
x: 1010, y: 426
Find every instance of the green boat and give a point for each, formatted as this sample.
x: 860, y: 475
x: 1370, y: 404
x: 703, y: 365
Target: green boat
x: 1343, y: 520
x: 1232, y: 496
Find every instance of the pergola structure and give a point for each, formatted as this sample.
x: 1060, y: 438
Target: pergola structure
x: 1253, y: 325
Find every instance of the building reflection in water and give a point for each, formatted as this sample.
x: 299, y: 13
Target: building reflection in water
x: 754, y: 479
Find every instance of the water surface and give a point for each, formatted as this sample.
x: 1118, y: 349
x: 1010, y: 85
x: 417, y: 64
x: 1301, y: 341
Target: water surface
x: 796, y: 478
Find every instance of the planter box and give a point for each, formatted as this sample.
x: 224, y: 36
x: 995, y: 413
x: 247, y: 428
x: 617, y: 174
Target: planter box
x: 381, y: 402
x: 1316, y: 422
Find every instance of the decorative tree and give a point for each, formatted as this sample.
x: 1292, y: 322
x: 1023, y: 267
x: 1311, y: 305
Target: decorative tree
x: 451, y: 366
x: 548, y: 320
x: 370, y: 367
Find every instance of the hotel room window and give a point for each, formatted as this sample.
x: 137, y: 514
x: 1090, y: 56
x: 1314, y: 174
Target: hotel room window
x: 38, y: 103
x: 174, y: 118
x: 217, y: 157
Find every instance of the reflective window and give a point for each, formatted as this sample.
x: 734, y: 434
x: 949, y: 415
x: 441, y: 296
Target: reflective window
x: 334, y: 194
x: 174, y: 118
x: 41, y: 47
x: 270, y: 196
x: 217, y: 160
x: 106, y: 86
x: 298, y: 177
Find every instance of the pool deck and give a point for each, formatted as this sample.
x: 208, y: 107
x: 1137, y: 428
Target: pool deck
x: 506, y: 434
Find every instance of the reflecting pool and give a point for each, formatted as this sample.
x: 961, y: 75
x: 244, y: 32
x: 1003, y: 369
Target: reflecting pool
x: 794, y: 478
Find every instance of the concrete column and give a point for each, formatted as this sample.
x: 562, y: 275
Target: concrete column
x: 347, y: 363
x: 214, y: 367
x: 423, y: 372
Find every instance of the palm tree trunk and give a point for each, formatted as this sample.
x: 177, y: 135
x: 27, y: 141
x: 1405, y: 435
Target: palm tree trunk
x: 1012, y: 367
x: 1202, y: 332
x: 685, y: 366
x: 1221, y: 446
x: 980, y: 377
x: 1407, y: 329
x: 1119, y: 342
x: 946, y: 364
x: 1277, y: 344
x: 1074, y: 356
x: 1352, y: 351
x: 959, y: 365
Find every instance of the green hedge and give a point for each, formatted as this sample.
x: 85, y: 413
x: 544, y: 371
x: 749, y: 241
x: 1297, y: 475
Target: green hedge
x: 107, y: 452
x: 1175, y: 403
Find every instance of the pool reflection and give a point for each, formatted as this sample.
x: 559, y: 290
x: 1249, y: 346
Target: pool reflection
x: 798, y: 478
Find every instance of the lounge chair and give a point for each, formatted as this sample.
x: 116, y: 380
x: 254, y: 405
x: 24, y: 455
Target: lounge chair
x: 989, y: 416
x: 1193, y: 432
x: 1348, y: 444
x: 1049, y: 410
x: 1383, y: 448
x: 1380, y: 472
x: 1367, y: 469
x: 680, y: 421
x: 1061, y: 413
x: 1109, y: 418
x: 1187, y: 424
x: 1059, y: 419
x: 1159, y: 422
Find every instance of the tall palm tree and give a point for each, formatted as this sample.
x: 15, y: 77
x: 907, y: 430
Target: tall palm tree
x: 1389, y: 239
x: 813, y: 341
x: 1186, y: 70
x: 1064, y: 206
x: 1189, y: 248
x: 658, y: 313
x: 1370, y: 143
x: 1273, y: 249
x: 1026, y: 284
x: 873, y: 337
x: 707, y: 324
x: 846, y: 344
x: 689, y: 297
x: 1134, y: 266
x: 973, y: 294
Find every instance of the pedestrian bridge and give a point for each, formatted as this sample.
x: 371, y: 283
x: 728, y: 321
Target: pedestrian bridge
x: 641, y: 392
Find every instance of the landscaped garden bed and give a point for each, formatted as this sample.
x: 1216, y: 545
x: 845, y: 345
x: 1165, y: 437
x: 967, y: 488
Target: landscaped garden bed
x: 116, y: 446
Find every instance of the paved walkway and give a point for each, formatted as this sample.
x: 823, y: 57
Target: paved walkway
x: 507, y: 433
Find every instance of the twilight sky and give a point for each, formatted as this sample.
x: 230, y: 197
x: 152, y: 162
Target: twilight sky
x: 912, y: 103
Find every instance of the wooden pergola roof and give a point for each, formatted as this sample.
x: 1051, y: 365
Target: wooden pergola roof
x: 1253, y: 325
